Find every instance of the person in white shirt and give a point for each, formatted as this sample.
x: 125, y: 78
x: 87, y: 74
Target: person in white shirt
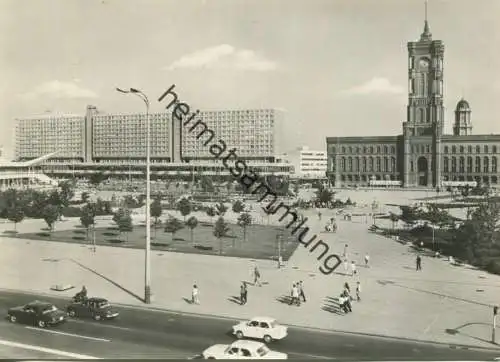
x: 194, y: 297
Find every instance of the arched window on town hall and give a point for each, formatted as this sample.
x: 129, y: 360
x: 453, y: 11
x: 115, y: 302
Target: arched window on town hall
x: 445, y: 149
x: 386, y: 164
x: 453, y: 164
x: 469, y: 164
x: 486, y: 165
x: 349, y: 164
x: 494, y: 166
x: 446, y: 166
x: 462, y: 149
x: 461, y: 165
x: 364, y: 164
x: 379, y: 164
x: 494, y: 149
x: 486, y: 149
x: 357, y: 165
x: 478, y: 149
x: 393, y: 164
x: 453, y: 149
x: 478, y: 164
x: 370, y: 164
x: 342, y: 164
x: 386, y: 149
x: 421, y: 115
x: 343, y: 150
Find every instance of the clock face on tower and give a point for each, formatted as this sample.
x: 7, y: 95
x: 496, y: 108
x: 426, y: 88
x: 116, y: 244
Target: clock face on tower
x: 423, y: 63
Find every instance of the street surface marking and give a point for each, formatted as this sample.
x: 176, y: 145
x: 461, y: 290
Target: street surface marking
x: 101, y: 325
x: 68, y: 334
x: 309, y: 355
x: 46, y: 350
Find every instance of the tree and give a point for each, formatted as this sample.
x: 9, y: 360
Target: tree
x: 211, y: 213
x: 172, y: 225
x: 50, y: 215
x: 184, y: 207
x: 238, y: 206
x: 85, y: 197
x: 324, y: 195
x: 88, y: 217
x: 96, y: 178
x: 156, y: 211
x: 66, y: 193
x: 220, y: 230
x: 244, y: 220
x: 394, y: 218
x: 123, y: 220
x: 220, y: 209
x: 192, y: 223
x: 15, y: 214
x: 206, y: 184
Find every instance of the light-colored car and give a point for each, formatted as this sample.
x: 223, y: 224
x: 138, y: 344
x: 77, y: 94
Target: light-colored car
x: 263, y: 328
x: 242, y: 350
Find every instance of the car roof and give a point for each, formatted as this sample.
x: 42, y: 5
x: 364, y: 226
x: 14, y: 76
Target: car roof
x: 244, y: 343
x: 38, y: 303
x: 263, y: 319
x: 95, y: 299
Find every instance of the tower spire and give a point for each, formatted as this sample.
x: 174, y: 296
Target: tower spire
x: 426, y: 35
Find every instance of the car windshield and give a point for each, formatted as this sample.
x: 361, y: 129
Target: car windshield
x: 262, y: 351
x: 49, y: 309
x: 272, y: 324
x: 103, y: 305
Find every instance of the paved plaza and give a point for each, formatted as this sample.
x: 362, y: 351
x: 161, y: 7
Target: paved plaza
x: 441, y: 303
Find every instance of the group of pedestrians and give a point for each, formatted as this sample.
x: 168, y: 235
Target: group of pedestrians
x: 297, y: 295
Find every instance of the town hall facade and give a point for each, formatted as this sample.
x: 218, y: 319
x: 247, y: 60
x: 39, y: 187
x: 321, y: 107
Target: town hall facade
x: 422, y: 156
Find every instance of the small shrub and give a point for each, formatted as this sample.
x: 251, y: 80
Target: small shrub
x: 115, y: 241
x: 79, y: 238
x: 109, y: 234
x: 43, y: 235
x: 71, y: 211
x: 79, y: 232
x: 493, y: 267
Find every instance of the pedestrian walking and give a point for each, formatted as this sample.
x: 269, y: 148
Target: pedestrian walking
x: 243, y: 293
x: 367, y: 261
x: 319, y: 215
x: 344, y: 254
x: 295, y: 295
x: 354, y: 271
x: 345, y: 301
x: 256, y: 276
x: 358, y: 291
x: 301, y: 291
x: 419, y: 263
x: 346, y: 266
x: 347, y: 287
x: 194, y: 296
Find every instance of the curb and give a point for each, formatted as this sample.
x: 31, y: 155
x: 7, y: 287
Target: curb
x: 313, y: 329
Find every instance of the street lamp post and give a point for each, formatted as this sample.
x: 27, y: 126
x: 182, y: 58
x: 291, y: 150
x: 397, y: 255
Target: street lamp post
x: 147, y: 271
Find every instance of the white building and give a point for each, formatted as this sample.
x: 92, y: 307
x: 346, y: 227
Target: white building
x: 308, y: 164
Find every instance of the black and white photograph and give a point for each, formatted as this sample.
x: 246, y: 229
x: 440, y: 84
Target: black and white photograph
x: 250, y: 179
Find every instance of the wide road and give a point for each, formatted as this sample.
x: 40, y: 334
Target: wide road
x: 139, y: 333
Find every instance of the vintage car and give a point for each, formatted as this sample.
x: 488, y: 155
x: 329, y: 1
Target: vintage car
x: 96, y: 308
x: 243, y: 349
x: 37, y: 313
x: 263, y: 328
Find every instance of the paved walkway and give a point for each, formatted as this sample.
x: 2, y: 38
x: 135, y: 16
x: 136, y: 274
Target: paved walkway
x: 441, y: 303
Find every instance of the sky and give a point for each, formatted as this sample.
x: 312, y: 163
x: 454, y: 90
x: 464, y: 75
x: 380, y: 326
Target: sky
x: 336, y: 67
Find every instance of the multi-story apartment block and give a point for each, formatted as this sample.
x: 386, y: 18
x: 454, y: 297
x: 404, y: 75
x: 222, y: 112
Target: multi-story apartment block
x: 116, y: 140
x: 308, y: 163
x: 256, y: 134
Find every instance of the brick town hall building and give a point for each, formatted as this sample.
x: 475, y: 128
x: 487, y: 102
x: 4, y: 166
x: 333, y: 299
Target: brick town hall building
x: 423, y: 156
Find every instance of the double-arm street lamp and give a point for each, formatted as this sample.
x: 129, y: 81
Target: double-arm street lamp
x: 147, y: 274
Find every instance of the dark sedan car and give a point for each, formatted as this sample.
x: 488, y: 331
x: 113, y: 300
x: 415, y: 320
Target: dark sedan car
x: 96, y: 308
x: 37, y: 313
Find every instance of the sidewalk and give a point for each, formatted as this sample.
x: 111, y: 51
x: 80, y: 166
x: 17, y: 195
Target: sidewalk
x: 397, y: 300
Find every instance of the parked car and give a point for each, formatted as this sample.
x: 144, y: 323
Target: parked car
x: 263, y: 328
x: 37, y: 313
x: 242, y: 350
x: 96, y: 308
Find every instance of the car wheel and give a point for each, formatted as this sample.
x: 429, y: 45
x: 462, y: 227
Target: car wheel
x: 71, y: 313
x: 267, y: 339
x: 239, y: 334
x: 41, y: 324
x: 97, y: 317
x: 12, y: 318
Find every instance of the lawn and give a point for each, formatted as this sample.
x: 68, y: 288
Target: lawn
x: 260, y: 241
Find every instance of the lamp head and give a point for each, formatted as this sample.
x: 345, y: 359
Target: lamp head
x: 121, y: 90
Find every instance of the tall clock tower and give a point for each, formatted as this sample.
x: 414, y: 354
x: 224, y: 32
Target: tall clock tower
x: 425, y: 111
